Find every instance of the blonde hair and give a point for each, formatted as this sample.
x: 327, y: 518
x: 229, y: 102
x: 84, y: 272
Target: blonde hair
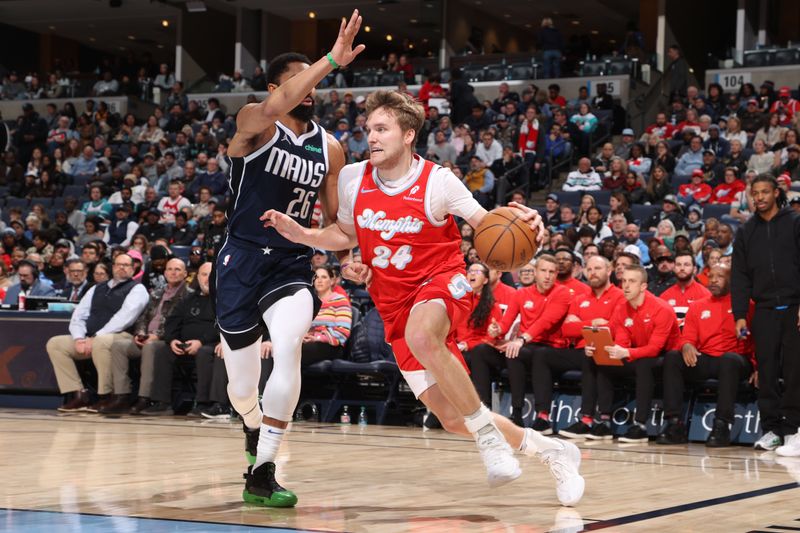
x: 409, y: 113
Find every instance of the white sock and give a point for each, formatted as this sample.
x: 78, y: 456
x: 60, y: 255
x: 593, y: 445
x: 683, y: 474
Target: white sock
x: 480, y: 422
x: 535, y: 442
x: 269, y: 441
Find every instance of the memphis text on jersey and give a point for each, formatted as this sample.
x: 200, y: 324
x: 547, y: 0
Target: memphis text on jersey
x: 388, y: 228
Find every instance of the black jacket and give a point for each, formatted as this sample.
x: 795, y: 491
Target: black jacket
x: 766, y: 263
x: 192, y: 318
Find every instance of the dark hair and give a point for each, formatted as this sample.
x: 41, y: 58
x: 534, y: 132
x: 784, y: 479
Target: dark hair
x: 327, y: 268
x: 280, y: 64
x: 480, y: 315
x: 686, y: 253
x: 769, y: 178
x: 30, y: 264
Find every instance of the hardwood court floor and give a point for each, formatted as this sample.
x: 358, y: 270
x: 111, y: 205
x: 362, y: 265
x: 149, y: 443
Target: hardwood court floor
x: 86, y: 468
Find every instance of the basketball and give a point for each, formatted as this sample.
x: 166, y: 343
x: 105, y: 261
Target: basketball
x: 503, y: 241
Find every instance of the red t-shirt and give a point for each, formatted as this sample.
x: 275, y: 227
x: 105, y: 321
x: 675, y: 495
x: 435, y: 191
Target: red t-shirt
x: 710, y: 328
x: 467, y: 332
x: 725, y: 193
x: 648, y: 330
x: 680, y: 299
x: 700, y: 192
x: 575, y: 286
x: 588, y: 307
x: 541, y: 315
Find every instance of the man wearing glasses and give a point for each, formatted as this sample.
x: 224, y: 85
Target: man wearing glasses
x: 103, y: 316
x: 76, y: 284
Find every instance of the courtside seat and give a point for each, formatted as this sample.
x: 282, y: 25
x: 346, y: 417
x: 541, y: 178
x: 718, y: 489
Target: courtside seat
x: 322, y: 367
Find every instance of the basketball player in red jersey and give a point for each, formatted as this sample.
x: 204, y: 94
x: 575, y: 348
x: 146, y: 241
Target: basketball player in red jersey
x: 398, y: 208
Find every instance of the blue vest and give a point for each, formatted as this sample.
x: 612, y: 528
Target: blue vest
x: 106, y: 302
x: 118, y: 231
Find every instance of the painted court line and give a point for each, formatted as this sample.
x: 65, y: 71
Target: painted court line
x: 640, y: 517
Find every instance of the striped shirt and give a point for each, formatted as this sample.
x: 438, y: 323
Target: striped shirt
x: 334, y: 320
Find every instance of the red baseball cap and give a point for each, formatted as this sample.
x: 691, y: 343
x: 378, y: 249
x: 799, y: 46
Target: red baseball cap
x: 785, y: 179
x: 784, y: 91
x: 697, y: 172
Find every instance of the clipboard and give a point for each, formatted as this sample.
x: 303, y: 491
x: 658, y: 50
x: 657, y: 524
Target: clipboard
x: 601, y: 338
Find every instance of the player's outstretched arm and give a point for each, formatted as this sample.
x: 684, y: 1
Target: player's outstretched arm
x: 333, y: 237
x: 253, y: 119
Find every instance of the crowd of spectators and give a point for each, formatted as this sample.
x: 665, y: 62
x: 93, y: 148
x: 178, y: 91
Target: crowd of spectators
x: 94, y: 193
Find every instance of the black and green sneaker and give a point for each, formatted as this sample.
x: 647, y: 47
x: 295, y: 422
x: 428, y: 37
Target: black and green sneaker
x: 251, y: 443
x: 260, y: 488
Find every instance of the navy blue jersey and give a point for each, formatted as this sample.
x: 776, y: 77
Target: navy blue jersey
x: 285, y: 175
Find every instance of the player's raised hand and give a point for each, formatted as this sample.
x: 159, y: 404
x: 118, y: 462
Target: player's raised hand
x: 343, y: 52
x: 283, y: 224
x: 532, y: 217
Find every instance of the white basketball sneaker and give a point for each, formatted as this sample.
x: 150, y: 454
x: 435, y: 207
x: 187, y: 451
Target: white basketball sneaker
x: 769, y: 442
x: 501, y: 465
x: 564, y: 463
x: 791, y: 446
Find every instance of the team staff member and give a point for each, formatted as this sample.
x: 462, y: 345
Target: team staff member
x: 765, y: 265
x: 643, y: 329
x: 710, y: 348
x: 542, y: 308
x: 593, y: 309
x: 685, y: 290
x: 565, y: 259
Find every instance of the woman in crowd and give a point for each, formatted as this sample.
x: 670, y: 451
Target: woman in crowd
x: 584, y: 119
x: 634, y: 190
x: 781, y: 155
x: 619, y: 205
x: 772, y: 132
x: 587, y: 202
x: 666, y: 232
x: 46, y: 188
x: 615, y: 177
x: 151, y: 133
x: 101, y: 273
x: 97, y: 205
x: 761, y: 161
x: 658, y: 187
x: 479, y: 349
x: 734, y: 131
x: 94, y: 231
x: 742, y: 206
x: 5, y: 279
x: 638, y: 162
x: 331, y: 327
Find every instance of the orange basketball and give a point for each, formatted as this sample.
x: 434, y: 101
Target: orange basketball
x: 503, y: 241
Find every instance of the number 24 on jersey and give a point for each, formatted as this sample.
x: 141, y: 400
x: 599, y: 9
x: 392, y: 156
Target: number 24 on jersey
x: 384, y: 257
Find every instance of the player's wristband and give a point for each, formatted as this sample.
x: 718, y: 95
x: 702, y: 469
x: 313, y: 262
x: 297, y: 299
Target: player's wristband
x: 523, y: 339
x: 343, y: 266
x: 333, y: 63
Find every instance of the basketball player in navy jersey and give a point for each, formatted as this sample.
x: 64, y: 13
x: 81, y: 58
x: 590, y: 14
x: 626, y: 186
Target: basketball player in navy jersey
x: 279, y: 159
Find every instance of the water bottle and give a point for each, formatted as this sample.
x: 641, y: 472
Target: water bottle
x: 362, y: 417
x: 314, y: 413
x: 345, y: 418
x: 21, y: 301
x: 298, y: 414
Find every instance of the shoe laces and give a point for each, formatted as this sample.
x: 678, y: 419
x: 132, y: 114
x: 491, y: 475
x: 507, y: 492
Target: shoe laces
x: 552, y: 459
x: 768, y: 438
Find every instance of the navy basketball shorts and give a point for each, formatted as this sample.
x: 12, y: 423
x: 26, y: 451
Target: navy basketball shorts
x: 249, y: 281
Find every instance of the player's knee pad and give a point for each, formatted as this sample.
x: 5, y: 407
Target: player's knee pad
x: 237, y: 341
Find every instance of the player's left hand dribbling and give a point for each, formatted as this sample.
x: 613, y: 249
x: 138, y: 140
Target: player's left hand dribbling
x: 532, y: 217
x: 357, y: 273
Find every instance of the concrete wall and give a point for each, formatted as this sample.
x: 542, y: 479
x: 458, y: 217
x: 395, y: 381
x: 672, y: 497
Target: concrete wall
x: 784, y: 75
x: 484, y: 90
x: 11, y: 109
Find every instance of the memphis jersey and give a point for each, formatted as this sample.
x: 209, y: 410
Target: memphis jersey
x: 285, y: 175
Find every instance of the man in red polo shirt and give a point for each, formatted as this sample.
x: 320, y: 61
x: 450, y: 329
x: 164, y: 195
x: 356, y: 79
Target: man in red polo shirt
x: 542, y: 308
x: 643, y: 329
x: 710, y: 348
x: 685, y: 290
x: 592, y: 309
x: 565, y: 260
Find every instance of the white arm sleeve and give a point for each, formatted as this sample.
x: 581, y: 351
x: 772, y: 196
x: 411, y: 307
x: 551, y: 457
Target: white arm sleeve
x: 448, y: 195
x: 349, y: 180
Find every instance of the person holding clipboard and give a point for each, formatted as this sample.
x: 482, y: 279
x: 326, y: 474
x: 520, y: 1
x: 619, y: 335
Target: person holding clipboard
x: 590, y: 311
x: 643, y: 329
